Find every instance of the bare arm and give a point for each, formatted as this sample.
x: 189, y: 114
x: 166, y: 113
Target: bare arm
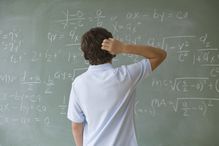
x: 155, y: 55
x: 77, y: 131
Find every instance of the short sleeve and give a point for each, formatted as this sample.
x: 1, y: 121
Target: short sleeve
x: 75, y: 113
x: 140, y: 70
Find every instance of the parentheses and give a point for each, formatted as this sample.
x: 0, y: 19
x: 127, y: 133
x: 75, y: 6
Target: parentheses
x: 201, y: 86
x: 177, y: 86
x: 205, y: 109
x: 136, y: 104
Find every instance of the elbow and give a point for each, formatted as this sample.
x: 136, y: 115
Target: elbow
x: 162, y: 55
x: 156, y: 61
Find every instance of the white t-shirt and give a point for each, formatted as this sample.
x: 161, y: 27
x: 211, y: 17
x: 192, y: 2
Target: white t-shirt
x: 103, y: 99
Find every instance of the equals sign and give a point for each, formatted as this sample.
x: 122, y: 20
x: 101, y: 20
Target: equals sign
x: 70, y: 75
x: 37, y: 119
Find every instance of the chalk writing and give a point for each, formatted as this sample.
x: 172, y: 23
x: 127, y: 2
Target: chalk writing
x: 34, y: 79
x: 185, y: 104
x: 186, y: 84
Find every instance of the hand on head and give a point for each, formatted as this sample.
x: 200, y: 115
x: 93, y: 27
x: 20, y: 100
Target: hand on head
x: 113, y: 46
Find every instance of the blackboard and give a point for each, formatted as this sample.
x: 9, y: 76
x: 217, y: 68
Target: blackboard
x: 40, y: 57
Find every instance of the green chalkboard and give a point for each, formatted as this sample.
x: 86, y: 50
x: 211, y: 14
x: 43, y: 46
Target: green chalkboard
x: 178, y: 105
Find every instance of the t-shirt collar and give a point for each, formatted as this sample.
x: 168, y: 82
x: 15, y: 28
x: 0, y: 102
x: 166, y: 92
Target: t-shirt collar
x: 104, y: 66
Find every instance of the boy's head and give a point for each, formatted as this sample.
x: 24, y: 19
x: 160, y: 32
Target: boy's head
x: 91, y: 46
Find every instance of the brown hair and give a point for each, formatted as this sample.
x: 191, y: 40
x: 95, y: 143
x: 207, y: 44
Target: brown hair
x: 91, y: 46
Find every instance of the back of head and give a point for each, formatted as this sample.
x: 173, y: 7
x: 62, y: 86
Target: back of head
x: 91, y: 46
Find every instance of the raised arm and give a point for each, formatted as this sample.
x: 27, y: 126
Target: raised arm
x: 155, y: 55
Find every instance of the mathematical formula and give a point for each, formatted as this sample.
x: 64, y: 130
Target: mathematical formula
x: 42, y: 73
x: 186, y: 105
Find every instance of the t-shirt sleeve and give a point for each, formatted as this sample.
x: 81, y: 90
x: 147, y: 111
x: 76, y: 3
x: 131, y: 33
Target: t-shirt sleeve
x: 140, y: 70
x: 75, y: 113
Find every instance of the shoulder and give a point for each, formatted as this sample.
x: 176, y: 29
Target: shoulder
x: 78, y: 79
x: 139, y: 70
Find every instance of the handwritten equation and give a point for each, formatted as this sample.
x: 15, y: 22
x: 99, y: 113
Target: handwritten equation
x: 31, y: 76
x: 188, y: 84
x: 24, y: 105
x: 188, y: 106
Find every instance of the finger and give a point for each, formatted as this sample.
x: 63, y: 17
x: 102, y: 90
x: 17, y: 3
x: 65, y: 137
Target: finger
x: 106, y: 41
x: 105, y: 44
x: 111, y: 39
x: 105, y: 47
